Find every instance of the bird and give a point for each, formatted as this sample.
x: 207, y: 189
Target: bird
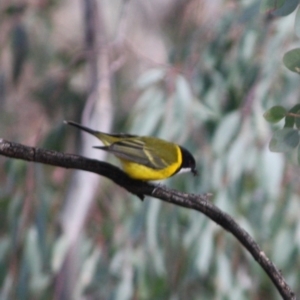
x: 144, y: 158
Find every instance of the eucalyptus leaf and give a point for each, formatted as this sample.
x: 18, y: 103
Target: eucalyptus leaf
x: 223, y: 272
x: 297, y: 120
x: 238, y: 151
x: 280, y: 253
x: 289, y: 122
x: 153, y: 236
x: 151, y: 100
x: 205, y: 250
x: 295, y: 109
x: 291, y: 60
x: 150, y: 77
x: 270, y: 171
x: 284, y: 140
x: 290, y: 119
x: 297, y: 22
x: 287, y: 8
x: 270, y: 5
x: 275, y: 114
x: 183, y: 90
x: 226, y: 132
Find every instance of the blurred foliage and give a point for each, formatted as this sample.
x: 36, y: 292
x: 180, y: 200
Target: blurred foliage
x: 287, y: 138
x: 291, y: 60
x: 19, y: 50
x: 223, y: 69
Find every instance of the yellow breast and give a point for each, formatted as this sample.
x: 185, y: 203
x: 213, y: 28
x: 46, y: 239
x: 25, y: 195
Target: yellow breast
x: 141, y: 172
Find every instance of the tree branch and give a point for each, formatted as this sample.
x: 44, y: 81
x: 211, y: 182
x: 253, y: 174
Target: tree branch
x: 199, y: 203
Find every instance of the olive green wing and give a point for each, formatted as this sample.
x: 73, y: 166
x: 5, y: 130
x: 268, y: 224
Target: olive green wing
x: 135, y: 150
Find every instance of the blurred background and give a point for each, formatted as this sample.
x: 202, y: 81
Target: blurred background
x: 200, y: 73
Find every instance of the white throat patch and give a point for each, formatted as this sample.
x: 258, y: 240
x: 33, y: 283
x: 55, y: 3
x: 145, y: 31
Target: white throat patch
x: 184, y: 170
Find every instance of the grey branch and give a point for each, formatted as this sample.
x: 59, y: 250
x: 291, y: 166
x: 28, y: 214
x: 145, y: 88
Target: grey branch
x: 199, y: 203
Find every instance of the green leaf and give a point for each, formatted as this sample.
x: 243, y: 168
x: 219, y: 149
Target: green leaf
x: 295, y: 109
x: 275, y: 114
x: 291, y: 60
x: 290, y: 120
x: 297, y: 120
x: 284, y: 140
x: 270, y: 5
x: 287, y: 8
x: 297, y: 22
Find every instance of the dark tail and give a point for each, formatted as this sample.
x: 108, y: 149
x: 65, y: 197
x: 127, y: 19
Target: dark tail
x: 91, y: 131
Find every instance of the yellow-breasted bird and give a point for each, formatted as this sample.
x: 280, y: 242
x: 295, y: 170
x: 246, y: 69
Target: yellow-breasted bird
x: 143, y: 157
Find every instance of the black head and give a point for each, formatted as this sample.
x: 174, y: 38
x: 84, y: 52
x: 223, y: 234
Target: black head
x: 188, y: 161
